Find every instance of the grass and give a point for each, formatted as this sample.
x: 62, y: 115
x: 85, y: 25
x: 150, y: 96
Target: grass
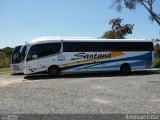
x: 4, y: 69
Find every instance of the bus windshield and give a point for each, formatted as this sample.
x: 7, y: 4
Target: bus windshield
x: 16, y: 54
x: 19, y: 54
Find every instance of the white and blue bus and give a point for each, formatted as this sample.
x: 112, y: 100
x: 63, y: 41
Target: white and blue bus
x: 58, y: 55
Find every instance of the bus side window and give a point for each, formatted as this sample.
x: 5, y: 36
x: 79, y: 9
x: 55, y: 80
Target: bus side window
x: 32, y: 54
x: 48, y: 49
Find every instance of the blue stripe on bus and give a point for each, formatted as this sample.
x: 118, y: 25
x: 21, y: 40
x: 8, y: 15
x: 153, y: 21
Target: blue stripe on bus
x: 134, y: 64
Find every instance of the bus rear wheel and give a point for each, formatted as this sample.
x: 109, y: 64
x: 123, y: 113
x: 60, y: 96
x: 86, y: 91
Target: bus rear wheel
x: 125, y: 69
x: 54, y: 71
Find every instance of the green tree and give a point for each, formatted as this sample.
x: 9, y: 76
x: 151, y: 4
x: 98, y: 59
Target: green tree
x: 131, y: 4
x: 157, y: 50
x: 109, y: 34
x: 4, y: 60
x: 119, y: 30
x: 7, y: 50
x: 5, y: 55
x: 157, y: 55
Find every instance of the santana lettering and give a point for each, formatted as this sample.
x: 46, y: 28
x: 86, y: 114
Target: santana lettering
x: 90, y: 56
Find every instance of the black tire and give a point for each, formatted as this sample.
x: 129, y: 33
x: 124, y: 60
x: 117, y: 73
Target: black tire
x: 54, y: 71
x: 125, y: 69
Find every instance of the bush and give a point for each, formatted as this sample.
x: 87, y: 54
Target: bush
x: 4, y: 60
x: 157, y: 62
x: 157, y: 51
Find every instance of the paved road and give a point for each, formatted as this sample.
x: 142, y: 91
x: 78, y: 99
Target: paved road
x: 81, y: 93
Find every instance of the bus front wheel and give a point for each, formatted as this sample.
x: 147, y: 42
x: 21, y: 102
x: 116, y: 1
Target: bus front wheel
x: 54, y: 71
x: 125, y: 69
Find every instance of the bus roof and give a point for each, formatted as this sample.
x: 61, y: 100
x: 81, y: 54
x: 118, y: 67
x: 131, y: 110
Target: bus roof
x: 85, y: 39
x: 44, y: 39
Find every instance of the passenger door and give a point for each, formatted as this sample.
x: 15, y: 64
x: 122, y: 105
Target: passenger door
x: 31, y: 62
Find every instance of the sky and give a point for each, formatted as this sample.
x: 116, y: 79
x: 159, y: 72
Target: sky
x: 24, y: 20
